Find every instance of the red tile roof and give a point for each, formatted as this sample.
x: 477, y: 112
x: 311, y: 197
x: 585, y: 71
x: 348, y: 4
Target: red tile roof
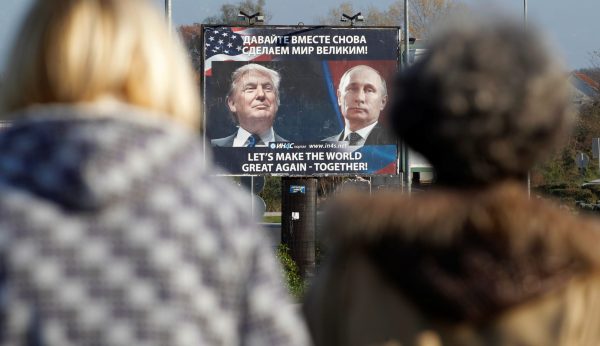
x: 589, y: 81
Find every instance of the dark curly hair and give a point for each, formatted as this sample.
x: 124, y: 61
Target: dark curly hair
x: 484, y: 103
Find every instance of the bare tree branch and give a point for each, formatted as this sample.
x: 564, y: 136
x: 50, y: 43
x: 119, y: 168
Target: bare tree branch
x: 229, y: 12
x: 423, y: 14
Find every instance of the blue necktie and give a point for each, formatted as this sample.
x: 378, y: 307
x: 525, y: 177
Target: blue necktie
x: 253, y: 140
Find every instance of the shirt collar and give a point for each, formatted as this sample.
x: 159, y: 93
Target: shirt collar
x: 242, y: 136
x: 364, y: 132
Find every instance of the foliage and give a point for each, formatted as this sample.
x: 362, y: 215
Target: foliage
x: 332, y: 17
x: 595, y: 189
x: 594, y: 58
x: 272, y: 219
x: 559, y: 175
x: 271, y: 193
x: 229, y: 12
x: 293, y: 280
x: 191, y: 35
x: 328, y: 185
x: 423, y: 14
x: 571, y: 193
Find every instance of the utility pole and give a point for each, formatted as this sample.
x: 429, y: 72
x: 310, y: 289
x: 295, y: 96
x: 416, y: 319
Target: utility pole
x: 406, y: 174
x: 406, y: 47
x: 168, y: 14
x: 525, y: 13
x: 525, y: 28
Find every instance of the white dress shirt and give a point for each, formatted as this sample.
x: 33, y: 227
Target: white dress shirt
x: 364, y: 133
x: 241, y: 138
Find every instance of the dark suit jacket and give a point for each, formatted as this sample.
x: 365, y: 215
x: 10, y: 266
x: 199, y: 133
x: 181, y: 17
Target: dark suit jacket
x: 228, y: 141
x: 378, y: 136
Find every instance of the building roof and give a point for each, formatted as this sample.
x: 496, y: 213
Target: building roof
x: 585, y: 85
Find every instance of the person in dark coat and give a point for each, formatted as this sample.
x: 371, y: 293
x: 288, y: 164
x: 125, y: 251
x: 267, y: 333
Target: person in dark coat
x: 474, y: 261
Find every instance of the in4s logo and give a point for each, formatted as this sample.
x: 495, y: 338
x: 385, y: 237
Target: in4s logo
x: 281, y: 145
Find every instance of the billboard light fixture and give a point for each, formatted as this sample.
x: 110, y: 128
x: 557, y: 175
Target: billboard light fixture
x: 358, y: 17
x: 252, y: 19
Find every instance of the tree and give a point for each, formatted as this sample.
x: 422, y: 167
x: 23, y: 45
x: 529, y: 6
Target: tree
x: 558, y: 176
x: 423, y: 14
x: 229, y: 12
x: 332, y: 17
x: 191, y: 36
x: 593, y: 71
x: 594, y: 57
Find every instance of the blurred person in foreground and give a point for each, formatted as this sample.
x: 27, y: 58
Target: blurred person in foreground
x: 113, y: 229
x: 475, y: 261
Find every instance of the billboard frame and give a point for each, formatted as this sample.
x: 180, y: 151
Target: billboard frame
x: 296, y: 30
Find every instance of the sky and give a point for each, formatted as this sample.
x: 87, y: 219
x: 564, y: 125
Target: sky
x: 572, y: 26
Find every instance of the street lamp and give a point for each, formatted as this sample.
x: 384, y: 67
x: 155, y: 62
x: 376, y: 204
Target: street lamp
x: 525, y: 26
x: 525, y: 12
x: 168, y: 13
x: 355, y: 18
x: 252, y: 19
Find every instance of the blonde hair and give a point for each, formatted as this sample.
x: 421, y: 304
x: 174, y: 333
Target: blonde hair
x: 71, y: 51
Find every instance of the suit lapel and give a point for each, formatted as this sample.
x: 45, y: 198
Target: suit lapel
x: 229, y: 140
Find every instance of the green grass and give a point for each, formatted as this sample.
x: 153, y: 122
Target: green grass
x: 294, y: 282
x: 272, y: 219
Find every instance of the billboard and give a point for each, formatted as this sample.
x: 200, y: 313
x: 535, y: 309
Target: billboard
x: 300, y: 101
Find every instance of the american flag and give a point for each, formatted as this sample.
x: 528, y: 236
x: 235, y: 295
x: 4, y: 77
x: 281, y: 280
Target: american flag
x: 226, y: 44
x: 222, y: 41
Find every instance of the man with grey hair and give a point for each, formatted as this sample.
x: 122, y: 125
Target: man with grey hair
x: 362, y: 95
x: 253, y: 100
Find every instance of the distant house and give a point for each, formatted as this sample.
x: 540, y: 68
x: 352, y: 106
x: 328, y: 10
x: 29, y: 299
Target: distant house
x: 584, y: 88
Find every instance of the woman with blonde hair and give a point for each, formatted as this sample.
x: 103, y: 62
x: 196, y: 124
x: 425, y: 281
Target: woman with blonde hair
x: 473, y: 261
x: 113, y: 228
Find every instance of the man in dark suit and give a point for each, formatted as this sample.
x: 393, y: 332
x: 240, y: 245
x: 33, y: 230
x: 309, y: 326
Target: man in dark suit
x: 253, y: 100
x: 362, y: 95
